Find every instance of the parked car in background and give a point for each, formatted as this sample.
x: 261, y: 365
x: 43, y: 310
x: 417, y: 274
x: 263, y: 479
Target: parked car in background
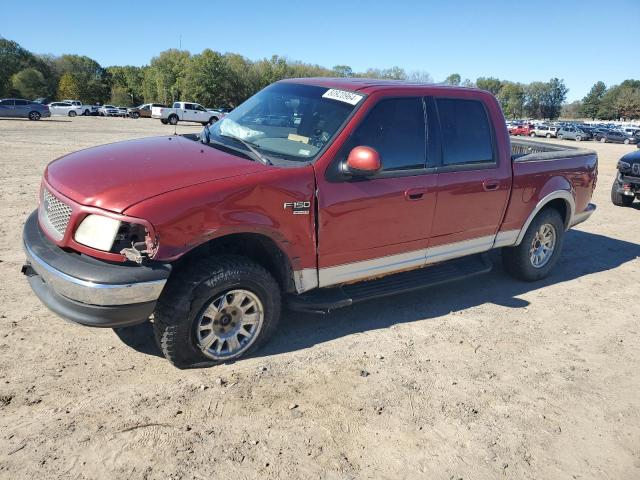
x: 216, y: 114
x: 573, y: 133
x: 613, y: 136
x: 21, y: 108
x: 544, y: 131
x: 525, y: 130
x: 144, y: 110
x: 122, y: 111
x: 184, y: 112
x: 44, y: 100
x: 85, y: 109
x: 215, y: 232
x: 626, y: 186
x: 108, y: 111
x: 65, y: 108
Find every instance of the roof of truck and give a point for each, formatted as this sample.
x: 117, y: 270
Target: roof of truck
x: 370, y: 85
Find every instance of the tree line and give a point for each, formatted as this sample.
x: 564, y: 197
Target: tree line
x: 215, y: 79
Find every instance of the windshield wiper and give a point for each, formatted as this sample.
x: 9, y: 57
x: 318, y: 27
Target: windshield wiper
x: 256, y: 154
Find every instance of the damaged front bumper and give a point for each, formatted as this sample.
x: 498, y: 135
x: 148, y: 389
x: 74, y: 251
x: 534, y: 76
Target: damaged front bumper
x: 86, y: 290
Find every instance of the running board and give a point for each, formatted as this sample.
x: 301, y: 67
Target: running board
x: 323, y: 300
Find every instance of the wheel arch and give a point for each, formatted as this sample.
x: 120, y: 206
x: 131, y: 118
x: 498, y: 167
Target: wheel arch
x: 261, y: 249
x: 560, y: 200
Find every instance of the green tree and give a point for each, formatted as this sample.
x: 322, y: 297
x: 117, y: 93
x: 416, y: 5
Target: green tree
x: 490, y: 84
x: 127, y: 79
x: 627, y: 102
x: 69, y: 87
x: 169, y: 69
x: 453, y: 79
x: 206, y: 79
x: 420, y: 76
x: 342, y: 71
x: 591, y: 103
x: 30, y: 83
x: 511, y: 97
x: 572, y: 110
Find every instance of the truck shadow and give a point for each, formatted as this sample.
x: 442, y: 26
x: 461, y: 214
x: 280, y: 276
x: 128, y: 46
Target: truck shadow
x: 583, y: 254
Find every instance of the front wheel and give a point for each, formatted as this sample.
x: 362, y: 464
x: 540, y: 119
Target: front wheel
x: 164, y: 121
x: 72, y: 113
x: 216, y: 310
x: 539, y: 250
x: 532, y: 134
x: 578, y: 138
x: 34, y: 116
x: 617, y: 198
x: 135, y: 115
x: 548, y: 135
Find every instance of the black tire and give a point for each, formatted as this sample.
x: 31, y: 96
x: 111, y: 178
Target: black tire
x: 627, y: 141
x: 191, y: 290
x: 86, y: 113
x: 603, y: 139
x: 532, y: 134
x: 34, y: 115
x: 517, y: 260
x: 618, y: 199
x: 173, y: 119
x: 72, y: 113
x: 213, y: 120
x: 578, y: 138
x: 560, y: 137
x: 135, y: 115
x: 548, y: 135
x: 164, y: 121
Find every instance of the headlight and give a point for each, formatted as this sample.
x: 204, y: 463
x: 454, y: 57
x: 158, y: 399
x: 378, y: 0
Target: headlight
x: 622, y: 166
x: 97, y: 231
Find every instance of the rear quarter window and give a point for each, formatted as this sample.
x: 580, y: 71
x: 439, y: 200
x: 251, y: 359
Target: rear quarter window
x: 466, y: 132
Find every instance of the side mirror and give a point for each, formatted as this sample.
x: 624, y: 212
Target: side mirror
x: 363, y: 162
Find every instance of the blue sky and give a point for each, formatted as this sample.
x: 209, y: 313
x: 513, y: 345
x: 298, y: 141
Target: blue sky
x: 580, y: 41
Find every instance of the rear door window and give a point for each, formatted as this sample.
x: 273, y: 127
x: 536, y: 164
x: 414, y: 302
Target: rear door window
x: 465, y: 132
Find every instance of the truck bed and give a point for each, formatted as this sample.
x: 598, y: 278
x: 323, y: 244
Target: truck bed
x: 531, y: 151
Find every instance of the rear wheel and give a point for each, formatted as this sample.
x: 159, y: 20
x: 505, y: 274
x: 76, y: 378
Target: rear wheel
x: 539, y: 250
x: 86, y: 113
x: 173, y: 119
x: 617, y: 198
x: 578, y: 138
x: 216, y: 310
x: 34, y: 116
x: 532, y: 134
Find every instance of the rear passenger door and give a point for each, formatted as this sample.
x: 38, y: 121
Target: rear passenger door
x: 21, y: 108
x: 473, y: 184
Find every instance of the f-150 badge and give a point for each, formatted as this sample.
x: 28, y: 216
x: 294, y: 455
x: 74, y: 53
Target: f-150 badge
x: 298, y: 208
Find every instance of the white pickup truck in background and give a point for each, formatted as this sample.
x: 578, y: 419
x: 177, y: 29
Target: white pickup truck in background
x: 82, y: 109
x: 186, y: 112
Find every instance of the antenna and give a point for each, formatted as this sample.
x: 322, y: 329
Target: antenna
x: 180, y: 42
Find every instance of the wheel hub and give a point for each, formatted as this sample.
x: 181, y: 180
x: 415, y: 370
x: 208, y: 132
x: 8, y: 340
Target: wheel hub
x: 543, y: 245
x: 229, y: 324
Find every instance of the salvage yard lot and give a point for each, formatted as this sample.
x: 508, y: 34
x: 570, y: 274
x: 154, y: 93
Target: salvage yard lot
x: 480, y: 379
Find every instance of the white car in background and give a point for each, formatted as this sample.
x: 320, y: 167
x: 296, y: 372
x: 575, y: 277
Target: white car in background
x: 184, y: 112
x: 109, y: 111
x: 65, y: 108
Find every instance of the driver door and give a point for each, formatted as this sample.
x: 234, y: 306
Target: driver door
x: 379, y: 224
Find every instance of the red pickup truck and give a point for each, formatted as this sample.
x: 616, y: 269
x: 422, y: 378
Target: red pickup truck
x: 524, y: 130
x: 317, y: 193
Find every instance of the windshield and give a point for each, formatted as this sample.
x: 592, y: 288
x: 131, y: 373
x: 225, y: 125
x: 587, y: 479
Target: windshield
x: 286, y: 121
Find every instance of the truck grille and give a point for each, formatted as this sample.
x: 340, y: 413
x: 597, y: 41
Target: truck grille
x: 635, y: 168
x: 54, y: 214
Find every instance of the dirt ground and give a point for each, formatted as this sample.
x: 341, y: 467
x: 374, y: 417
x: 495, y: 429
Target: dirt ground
x: 491, y: 378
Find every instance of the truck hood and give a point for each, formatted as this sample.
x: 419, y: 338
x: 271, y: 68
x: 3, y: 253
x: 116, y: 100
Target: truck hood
x: 633, y: 157
x: 119, y: 175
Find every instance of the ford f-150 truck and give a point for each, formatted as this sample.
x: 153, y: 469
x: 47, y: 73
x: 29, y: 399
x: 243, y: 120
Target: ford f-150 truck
x: 317, y: 193
x: 185, y: 112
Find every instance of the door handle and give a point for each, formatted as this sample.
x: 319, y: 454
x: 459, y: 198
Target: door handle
x: 415, y: 193
x: 490, y: 185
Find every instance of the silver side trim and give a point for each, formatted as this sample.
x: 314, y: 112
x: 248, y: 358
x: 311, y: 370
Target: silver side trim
x: 93, y: 293
x: 563, y: 194
x: 402, y: 261
x: 371, y: 268
x: 506, y: 239
x: 582, y: 216
x: 459, y: 249
x: 305, y: 279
